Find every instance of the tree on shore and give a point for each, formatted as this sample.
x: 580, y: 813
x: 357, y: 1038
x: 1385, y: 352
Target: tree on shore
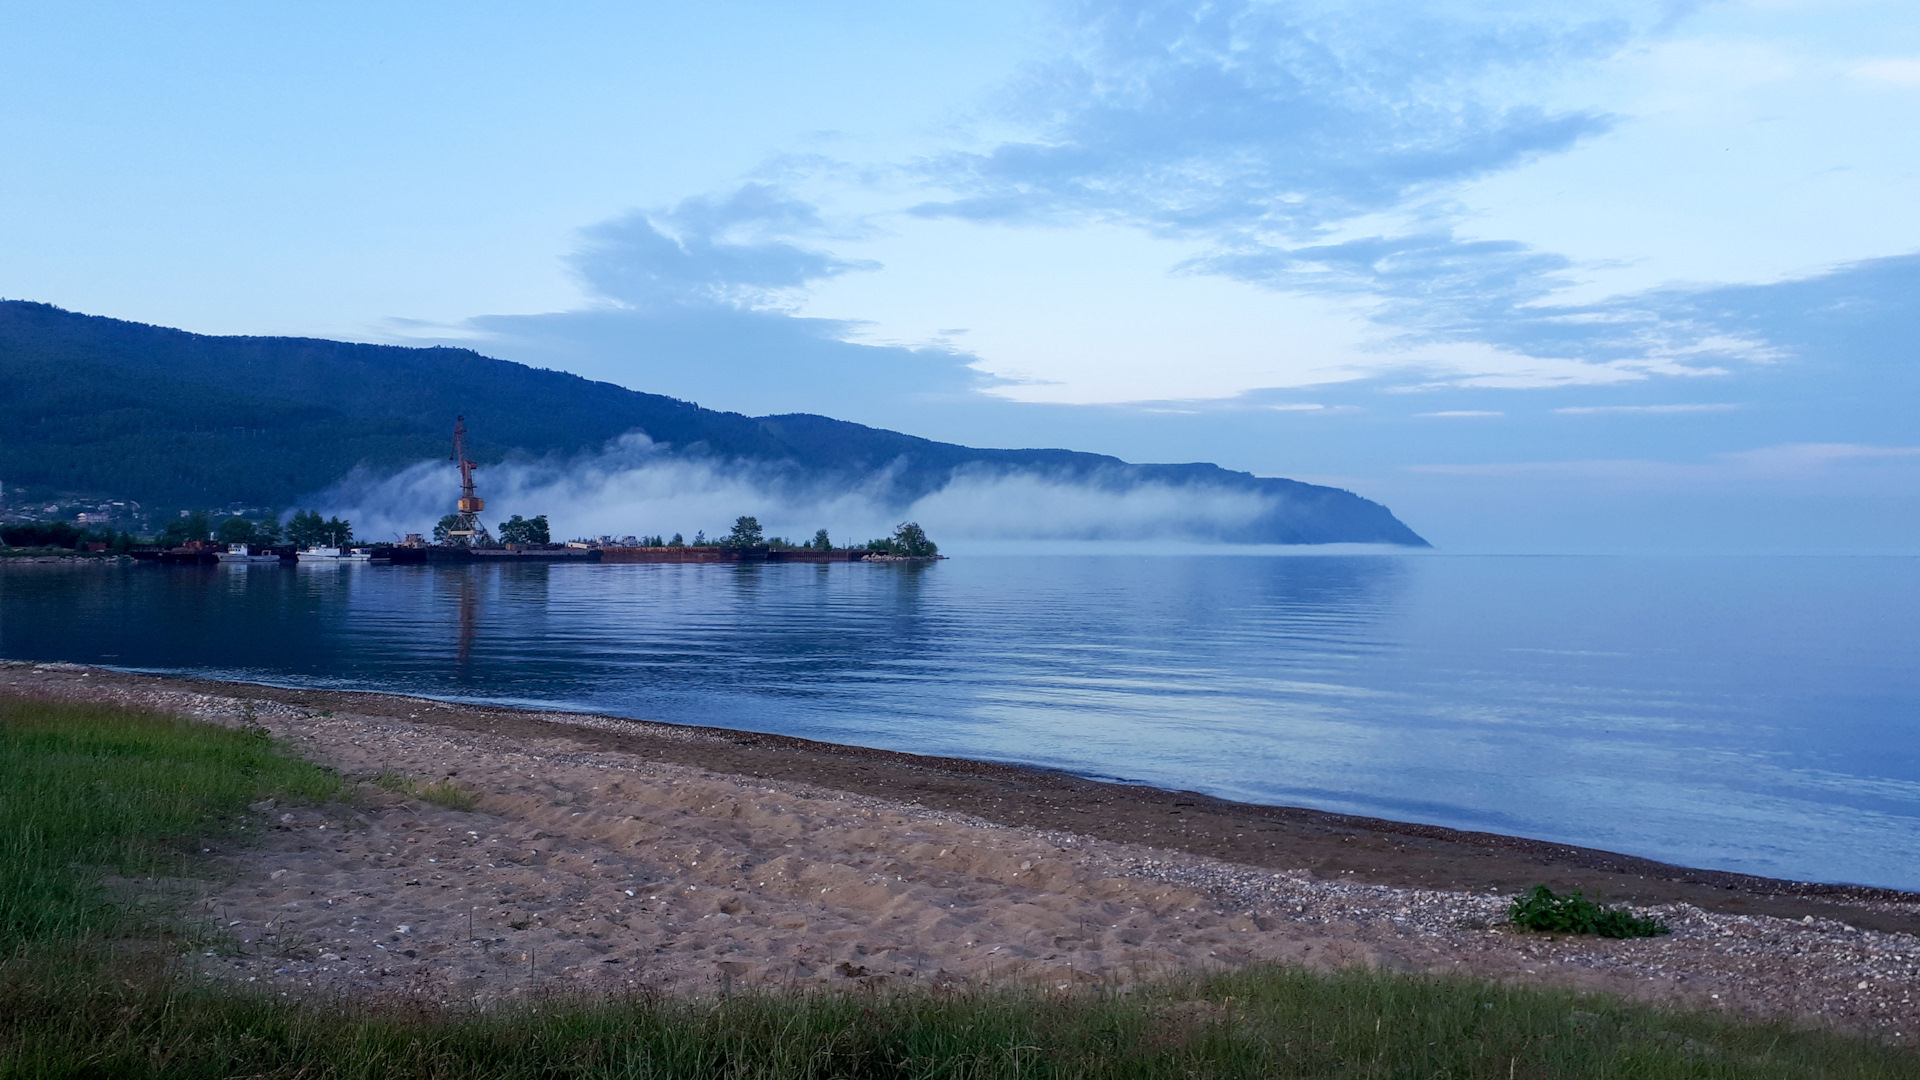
x: 195, y: 525
x: 821, y: 542
x: 677, y: 541
x: 528, y: 531
x: 908, y: 539
x: 306, y: 529
x: 239, y: 530
x: 746, y: 533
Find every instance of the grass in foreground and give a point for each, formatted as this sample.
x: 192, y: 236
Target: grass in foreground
x: 1261, y: 1023
x: 87, y: 790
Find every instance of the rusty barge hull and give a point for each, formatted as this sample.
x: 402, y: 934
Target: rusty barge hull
x: 401, y: 556
x: 709, y: 554
x: 534, y: 555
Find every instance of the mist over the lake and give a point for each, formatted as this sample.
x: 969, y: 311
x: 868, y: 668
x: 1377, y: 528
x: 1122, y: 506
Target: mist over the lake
x: 635, y: 487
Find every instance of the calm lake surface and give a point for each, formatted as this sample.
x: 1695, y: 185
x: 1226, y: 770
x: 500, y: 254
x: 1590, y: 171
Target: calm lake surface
x: 1753, y: 714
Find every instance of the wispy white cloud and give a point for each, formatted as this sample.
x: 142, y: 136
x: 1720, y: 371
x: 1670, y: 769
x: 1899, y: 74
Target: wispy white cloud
x: 1594, y: 410
x: 1312, y: 149
x: 1771, y: 463
x: 1303, y: 148
x: 1900, y: 71
x: 1811, y: 457
x: 696, y: 301
x: 1236, y: 115
x: 739, y: 249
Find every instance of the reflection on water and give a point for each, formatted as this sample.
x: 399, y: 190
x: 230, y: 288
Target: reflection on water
x: 1751, y: 714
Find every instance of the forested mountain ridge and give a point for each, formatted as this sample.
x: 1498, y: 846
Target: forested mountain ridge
x: 176, y: 419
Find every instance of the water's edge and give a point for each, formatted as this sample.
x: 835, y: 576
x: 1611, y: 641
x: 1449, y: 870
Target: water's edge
x: 1757, y: 716
x: 1563, y: 865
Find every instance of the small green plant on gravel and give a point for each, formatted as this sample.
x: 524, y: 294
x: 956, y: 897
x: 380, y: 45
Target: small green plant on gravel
x: 450, y: 795
x: 440, y: 793
x: 1540, y: 909
x: 250, y: 722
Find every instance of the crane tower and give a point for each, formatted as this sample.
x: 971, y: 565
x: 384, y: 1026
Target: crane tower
x: 466, y: 528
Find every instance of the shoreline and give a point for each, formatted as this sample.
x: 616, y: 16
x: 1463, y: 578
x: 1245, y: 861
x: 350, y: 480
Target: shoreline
x: 1368, y: 850
x: 598, y: 855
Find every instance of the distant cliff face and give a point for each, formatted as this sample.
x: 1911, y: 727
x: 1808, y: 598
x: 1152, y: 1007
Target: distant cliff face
x: 176, y: 419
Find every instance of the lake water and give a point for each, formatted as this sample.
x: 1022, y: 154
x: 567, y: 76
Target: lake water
x: 1748, y: 714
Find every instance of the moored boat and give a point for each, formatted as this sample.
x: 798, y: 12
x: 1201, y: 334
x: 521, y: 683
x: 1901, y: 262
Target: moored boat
x: 241, y: 553
x: 334, y: 555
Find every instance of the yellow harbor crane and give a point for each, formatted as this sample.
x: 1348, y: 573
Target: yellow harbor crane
x: 468, y: 528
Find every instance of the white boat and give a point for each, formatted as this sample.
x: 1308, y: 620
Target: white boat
x: 334, y: 555
x: 240, y: 553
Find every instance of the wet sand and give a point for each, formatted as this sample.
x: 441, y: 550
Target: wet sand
x: 613, y: 854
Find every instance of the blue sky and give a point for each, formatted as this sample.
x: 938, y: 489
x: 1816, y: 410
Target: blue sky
x: 1609, y: 276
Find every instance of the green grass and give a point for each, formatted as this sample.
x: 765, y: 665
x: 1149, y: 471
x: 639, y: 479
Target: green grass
x: 440, y: 793
x: 88, y: 791
x: 85, y: 791
x: 1272, y: 1022
x: 1540, y: 909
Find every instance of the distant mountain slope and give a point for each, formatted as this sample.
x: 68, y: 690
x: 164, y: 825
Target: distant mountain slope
x: 177, y: 419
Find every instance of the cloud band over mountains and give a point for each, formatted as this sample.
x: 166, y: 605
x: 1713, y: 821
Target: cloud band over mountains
x: 637, y: 488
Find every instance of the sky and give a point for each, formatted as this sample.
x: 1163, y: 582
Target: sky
x: 1601, y: 277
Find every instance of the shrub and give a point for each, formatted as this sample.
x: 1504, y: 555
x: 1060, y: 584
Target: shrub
x: 1540, y: 909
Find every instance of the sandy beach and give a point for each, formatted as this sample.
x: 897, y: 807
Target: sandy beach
x: 616, y: 855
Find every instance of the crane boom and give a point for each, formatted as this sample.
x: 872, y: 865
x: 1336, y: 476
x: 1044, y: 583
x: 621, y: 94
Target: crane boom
x: 465, y: 525
x: 469, y: 502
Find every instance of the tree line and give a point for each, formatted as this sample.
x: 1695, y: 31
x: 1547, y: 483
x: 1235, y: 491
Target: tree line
x: 308, y: 529
x: 908, y: 539
x: 60, y: 534
x: 305, y: 529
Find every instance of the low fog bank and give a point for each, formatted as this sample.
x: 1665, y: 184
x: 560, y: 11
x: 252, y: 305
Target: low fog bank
x: 637, y: 488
